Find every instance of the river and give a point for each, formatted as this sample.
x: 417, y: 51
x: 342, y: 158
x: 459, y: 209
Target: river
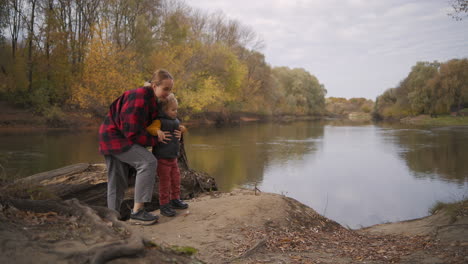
x: 357, y: 175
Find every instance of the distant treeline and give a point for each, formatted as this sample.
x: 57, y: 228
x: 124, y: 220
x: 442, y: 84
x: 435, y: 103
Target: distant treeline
x: 430, y: 88
x: 85, y: 53
x: 338, y: 106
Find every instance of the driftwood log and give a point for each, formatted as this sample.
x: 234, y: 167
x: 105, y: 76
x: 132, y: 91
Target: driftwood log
x: 88, y: 183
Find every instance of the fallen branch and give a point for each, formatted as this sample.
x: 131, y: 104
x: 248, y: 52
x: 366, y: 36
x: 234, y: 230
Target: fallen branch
x: 250, y: 251
x: 256, y: 189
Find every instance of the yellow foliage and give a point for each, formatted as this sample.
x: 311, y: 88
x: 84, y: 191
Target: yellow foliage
x: 175, y: 59
x: 207, y: 78
x: 207, y: 94
x: 395, y: 112
x: 107, y: 73
x: 226, y: 66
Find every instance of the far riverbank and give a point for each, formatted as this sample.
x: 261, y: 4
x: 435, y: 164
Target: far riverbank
x: 18, y: 119
x: 14, y: 119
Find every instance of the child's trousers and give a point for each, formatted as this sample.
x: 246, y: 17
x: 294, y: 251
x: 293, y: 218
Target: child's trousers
x: 169, y: 180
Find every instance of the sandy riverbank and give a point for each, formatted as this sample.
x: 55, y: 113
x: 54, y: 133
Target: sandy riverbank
x: 244, y: 226
x: 247, y: 227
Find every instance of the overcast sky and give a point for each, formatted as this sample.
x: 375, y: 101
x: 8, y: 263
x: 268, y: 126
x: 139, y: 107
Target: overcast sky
x: 356, y: 48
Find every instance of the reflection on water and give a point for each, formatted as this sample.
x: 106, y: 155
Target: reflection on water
x: 357, y: 175
x: 435, y: 153
x: 27, y: 153
x: 236, y: 156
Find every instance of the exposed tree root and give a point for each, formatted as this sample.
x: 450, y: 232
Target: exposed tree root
x: 72, y: 221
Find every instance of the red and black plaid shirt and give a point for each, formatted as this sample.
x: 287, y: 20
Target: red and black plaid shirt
x: 126, y: 122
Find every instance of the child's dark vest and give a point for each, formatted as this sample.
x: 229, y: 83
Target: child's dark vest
x: 171, y: 149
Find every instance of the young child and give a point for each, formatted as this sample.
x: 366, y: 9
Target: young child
x: 166, y: 152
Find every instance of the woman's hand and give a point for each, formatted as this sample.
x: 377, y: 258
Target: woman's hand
x: 164, y: 136
x: 178, y: 134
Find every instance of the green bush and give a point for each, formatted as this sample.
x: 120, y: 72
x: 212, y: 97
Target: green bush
x: 55, y: 117
x: 40, y: 99
x: 366, y: 108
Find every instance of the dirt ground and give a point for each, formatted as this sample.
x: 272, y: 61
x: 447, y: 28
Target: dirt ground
x: 242, y: 226
x: 248, y: 227
x: 75, y: 235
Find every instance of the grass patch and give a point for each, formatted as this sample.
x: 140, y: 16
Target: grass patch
x: 441, y: 120
x: 452, y: 209
x: 445, y: 120
x: 184, y: 250
x: 179, y: 250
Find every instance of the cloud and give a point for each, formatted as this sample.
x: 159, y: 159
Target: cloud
x: 404, y: 10
x: 357, y: 48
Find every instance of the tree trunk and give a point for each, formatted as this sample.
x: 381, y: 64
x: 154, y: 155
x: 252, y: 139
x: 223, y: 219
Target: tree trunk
x: 88, y: 183
x: 15, y: 17
x: 31, y: 34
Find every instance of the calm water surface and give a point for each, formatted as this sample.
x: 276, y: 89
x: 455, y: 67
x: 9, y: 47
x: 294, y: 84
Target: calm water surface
x: 355, y: 175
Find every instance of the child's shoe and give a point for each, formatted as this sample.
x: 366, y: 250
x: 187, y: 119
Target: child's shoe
x: 178, y: 204
x: 166, y: 210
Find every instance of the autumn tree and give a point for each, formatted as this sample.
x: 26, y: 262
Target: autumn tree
x: 15, y: 21
x: 300, y: 92
x: 3, y: 18
x: 460, y: 9
x: 214, y: 85
x: 84, y: 53
x: 343, y: 106
x: 107, y: 73
x: 257, y: 94
x: 430, y: 88
x: 450, y: 86
x: 413, y: 93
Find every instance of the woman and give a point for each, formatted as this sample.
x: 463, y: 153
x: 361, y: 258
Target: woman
x: 122, y: 141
